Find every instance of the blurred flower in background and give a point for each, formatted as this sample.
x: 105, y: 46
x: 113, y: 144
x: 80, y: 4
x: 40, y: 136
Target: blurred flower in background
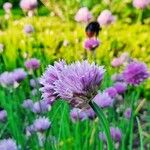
x: 141, y: 4
x: 83, y: 15
x: 105, y: 18
x: 28, y: 29
x: 7, y: 7
x: 8, y: 144
x: 32, y: 64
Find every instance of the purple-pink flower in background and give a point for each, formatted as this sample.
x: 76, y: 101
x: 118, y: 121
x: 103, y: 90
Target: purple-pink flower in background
x: 40, y: 107
x: 3, y: 115
x: 28, y: 5
x: 141, y: 4
x: 120, y: 87
x: 19, y: 75
x: 34, y: 83
x: 32, y: 64
x: 78, y: 83
x: 117, y: 62
x: 117, y: 77
x: 6, y: 79
x: 105, y: 18
x: 90, y: 113
x: 28, y: 29
x: 115, y: 132
x: 8, y: 144
x: 48, y: 79
x: 127, y: 113
x: 103, y: 100
x: 77, y: 114
x: 7, y: 7
x: 41, y: 124
x: 135, y: 73
x: 112, y: 92
x: 27, y: 104
x: 91, y: 44
x: 83, y: 15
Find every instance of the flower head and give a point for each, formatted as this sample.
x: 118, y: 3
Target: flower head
x: 83, y: 15
x: 41, y: 124
x: 91, y: 44
x: 103, y: 100
x: 112, y: 92
x: 32, y: 64
x: 34, y: 83
x: 28, y: 5
x: 117, y: 62
x: 90, y: 113
x: 135, y: 73
x: 28, y: 104
x: 48, y: 79
x: 77, y: 114
x: 120, y: 87
x: 141, y: 4
x: 40, y: 107
x: 3, y: 115
x: 115, y: 134
x: 78, y: 83
x: 7, y: 79
x: 127, y: 113
x: 105, y: 18
x: 117, y: 77
x: 7, y: 7
x: 28, y: 29
x: 8, y: 144
x: 19, y: 75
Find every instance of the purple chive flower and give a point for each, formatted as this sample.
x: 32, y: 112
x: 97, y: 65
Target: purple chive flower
x: 8, y: 144
x: 83, y: 15
x: 28, y: 29
x: 90, y: 113
x: 91, y: 44
x: 41, y: 124
x: 40, y: 107
x: 105, y: 18
x: 28, y: 5
x: 77, y: 114
x: 48, y: 79
x: 19, y: 75
x: 115, y: 134
x: 112, y: 92
x: 6, y: 79
x: 127, y: 113
x: 117, y: 62
x: 117, y: 77
x: 120, y: 87
x: 103, y: 100
x: 141, y: 4
x: 27, y: 104
x: 3, y: 115
x: 34, y: 92
x: 135, y: 73
x: 34, y: 83
x: 30, y: 129
x: 78, y: 83
x: 32, y: 64
x: 7, y: 7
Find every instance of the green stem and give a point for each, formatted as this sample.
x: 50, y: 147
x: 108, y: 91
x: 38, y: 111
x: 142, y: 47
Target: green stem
x: 139, y: 20
x: 104, y: 123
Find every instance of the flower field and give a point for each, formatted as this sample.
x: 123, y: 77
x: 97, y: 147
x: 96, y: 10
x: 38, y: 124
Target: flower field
x: 74, y: 75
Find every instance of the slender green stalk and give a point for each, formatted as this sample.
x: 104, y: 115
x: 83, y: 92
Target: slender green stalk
x: 140, y: 15
x: 104, y: 123
x: 140, y: 133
